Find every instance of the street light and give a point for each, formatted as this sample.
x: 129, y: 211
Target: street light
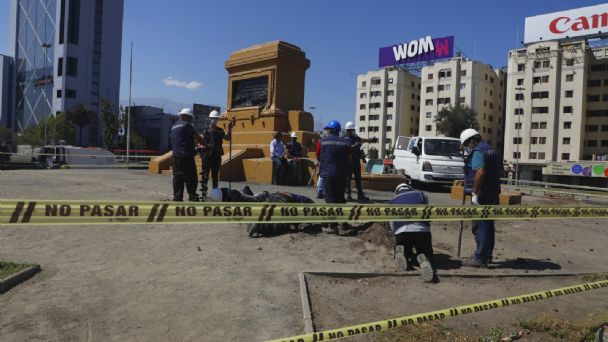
x: 313, y: 116
x: 519, y: 114
x: 45, y: 46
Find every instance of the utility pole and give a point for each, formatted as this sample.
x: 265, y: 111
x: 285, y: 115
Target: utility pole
x: 129, y: 109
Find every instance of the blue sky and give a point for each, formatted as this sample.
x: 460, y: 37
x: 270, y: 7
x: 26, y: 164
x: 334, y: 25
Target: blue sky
x: 187, y: 41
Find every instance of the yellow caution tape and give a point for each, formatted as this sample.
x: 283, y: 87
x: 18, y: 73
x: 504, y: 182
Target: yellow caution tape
x: 48, y: 212
x: 365, y: 328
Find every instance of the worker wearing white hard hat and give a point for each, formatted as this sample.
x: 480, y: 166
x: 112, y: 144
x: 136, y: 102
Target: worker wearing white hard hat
x: 183, y: 137
x: 356, y: 143
x: 212, y: 151
x: 483, y: 167
x: 294, y: 162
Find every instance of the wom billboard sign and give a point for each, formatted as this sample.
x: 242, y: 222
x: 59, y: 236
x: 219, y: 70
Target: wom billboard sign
x: 567, y: 24
x: 423, y: 49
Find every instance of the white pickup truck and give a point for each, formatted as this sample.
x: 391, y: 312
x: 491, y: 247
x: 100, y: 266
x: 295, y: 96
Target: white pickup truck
x: 429, y: 159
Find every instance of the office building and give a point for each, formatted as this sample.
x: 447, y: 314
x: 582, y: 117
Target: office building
x: 388, y: 105
x: 465, y: 82
x: 557, y: 106
x: 153, y: 125
x: 6, y: 91
x: 66, y: 52
x: 201, y: 115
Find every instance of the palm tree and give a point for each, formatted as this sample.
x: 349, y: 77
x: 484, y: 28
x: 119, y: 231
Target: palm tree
x: 82, y: 117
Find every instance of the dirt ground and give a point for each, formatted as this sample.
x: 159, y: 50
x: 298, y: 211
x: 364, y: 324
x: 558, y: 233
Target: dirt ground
x: 212, y: 282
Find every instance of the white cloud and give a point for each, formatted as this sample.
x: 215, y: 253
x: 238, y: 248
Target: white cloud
x: 172, y: 82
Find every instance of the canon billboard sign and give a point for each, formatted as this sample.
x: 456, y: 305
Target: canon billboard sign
x: 573, y: 23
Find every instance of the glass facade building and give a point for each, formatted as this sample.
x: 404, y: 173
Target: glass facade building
x: 66, y: 53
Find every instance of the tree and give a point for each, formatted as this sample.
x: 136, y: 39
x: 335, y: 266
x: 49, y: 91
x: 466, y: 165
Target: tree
x: 451, y: 121
x: 372, y: 153
x: 136, y: 141
x: 7, y: 136
x: 82, y: 117
x: 60, y: 128
x: 111, y: 124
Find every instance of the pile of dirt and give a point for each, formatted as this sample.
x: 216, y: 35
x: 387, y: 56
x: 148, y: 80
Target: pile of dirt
x: 378, y: 234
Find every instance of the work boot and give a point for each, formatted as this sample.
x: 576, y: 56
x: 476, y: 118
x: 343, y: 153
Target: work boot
x: 362, y: 198
x: 426, y: 269
x: 330, y: 230
x: 320, y: 195
x: 194, y: 198
x: 247, y: 190
x: 400, y: 262
x: 474, y: 262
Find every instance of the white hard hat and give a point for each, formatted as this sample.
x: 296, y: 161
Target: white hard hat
x: 467, y: 134
x: 186, y: 111
x: 216, y: 195
x: 350, y: 125
x: 402, y: 187
x: 294, y: 135
x: 214, y: 114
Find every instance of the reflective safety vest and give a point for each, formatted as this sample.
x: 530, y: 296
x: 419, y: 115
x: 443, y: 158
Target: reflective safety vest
x: 334, y: 157
x: 490, y: 189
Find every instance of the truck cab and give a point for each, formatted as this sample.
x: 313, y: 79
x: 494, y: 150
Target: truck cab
x: 436, y: 160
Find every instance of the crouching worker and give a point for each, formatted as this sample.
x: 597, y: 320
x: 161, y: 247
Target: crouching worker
x: 413, y: 235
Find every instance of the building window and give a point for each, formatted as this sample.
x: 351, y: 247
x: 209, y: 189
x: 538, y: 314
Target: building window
x: 443, y: 87
x: 374, y: 105
x: 521, y: 67
x: 534, y: 140
x: 520, y: 81
x: 566, y: 141
x: 72, y: 67
x: 532, y: 155
x: 565, y: 156
x: 489, y: 130
x: 567, y: 124
x: 534, y: 125
x: 429, y: 114
x: 428, y: 102
x: 540, y: 110
x: 518, y: 125
x: 429, y: 89
x: 591, y: 128
x: 491, y: 105
x: 375, y: 93
x: 542, y: 140
x: 374, y: 117
x: 429, y: 76
x: 361, y: 129
x: 540, y: 94
x: 568, y: 109
x: 413, y: 96
x: 362, y: 106
x: 389, y: 128
x: 412, y: 107
x: 605, y: 98
x: 593, y: 98
x: 516, y: 155
x: 390, y: 81
x: 491, y: 81
x: 389, y: 141
x: 376, y: 81
x: 604, y: 128
x: 362, y: 95
x: 546, y: 64
x: 363, y: 84
x: 445, y: 73
x: 543, y: 125
x: 519, y: 111
x: 361, y: 117
x: 594, y: 83
x: 70, y: 93
x: 391, y: 93
x: 58, y: 93
x: 463, y: 86
x: 73, y: 23
x: 389, y: 105
x: 570, y: 62
x: 443, y: 100
x: 389, y: 116
x: 604, y: 143
x: 462, y: 100
x: 463, y: 73
x: 428, y: 128
x: 60, y: 66
x: 517, y: 141
x: 569, y: 77
x: 569, y: 93
x: 519, y: 96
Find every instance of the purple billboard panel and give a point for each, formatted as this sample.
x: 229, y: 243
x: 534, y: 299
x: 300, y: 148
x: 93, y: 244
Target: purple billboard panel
x: 423, y: 49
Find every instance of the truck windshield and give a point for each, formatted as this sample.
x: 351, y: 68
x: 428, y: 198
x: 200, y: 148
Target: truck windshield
x: 442, y: 147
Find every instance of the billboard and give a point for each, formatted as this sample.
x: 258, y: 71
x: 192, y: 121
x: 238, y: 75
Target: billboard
x: 581, y: 169
x: 566, y: 24
x: 418, y: 50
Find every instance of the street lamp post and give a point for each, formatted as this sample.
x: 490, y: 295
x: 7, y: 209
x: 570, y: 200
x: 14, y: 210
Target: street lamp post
x: 45, y: 46
x: 313, y: 116
x: 519, y: 114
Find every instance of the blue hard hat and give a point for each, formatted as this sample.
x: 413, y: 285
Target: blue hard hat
x: 333, y: 125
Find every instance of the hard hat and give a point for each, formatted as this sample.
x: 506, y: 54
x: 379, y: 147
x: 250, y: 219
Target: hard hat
x: 186, y: 111
x: 216, y: 195
x: 350, y: 125
x: 403, y: 187
x: 467, y: 134
x: 214, y: 114
x: 333, y: 125
x: 294, y: 135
